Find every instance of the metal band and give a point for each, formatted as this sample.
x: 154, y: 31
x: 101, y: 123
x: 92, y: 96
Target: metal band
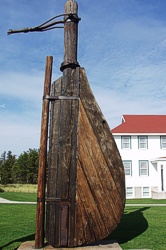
x: 53, y: 98
x: 57, y: 200
x: 72, y: 65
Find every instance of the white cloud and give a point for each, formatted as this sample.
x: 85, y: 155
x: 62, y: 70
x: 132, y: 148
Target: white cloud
x: 2, y: 106
x: 122, y: 45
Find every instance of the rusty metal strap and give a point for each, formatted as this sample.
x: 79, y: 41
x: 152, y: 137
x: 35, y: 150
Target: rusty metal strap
x: 60, y: 97
x: 57, y: 200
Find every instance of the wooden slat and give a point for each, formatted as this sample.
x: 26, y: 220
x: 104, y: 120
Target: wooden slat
x: 94, y: 220
x: 84, y: 230
x: 53, y: 209
x: 104, y: 136
x: 63, y: 153
x: 53, y: 139
x: 95, y: 166
x: 95, y: 185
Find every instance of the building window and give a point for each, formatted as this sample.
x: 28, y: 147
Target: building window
x: 143, y: 168
x: 145, y: 191
x: 126, y: 142
x: 142, y: 142
x: 127, y: 168
x: 163, y: 142
x: 129, y: 192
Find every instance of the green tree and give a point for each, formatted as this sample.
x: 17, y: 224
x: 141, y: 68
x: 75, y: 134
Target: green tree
x: 33, y: 163
x: 6, y: 165
x: 25, y: 169
x: 19, y: 171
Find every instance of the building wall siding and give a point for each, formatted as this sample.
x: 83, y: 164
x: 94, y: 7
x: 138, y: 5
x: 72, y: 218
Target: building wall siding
x: 135, y: 155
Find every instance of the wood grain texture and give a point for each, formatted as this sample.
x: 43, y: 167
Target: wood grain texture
x: 100, y: 173
x: 40, y: 210
x: 103, y: 134
x: 62, y: 170
x: 85, y: 169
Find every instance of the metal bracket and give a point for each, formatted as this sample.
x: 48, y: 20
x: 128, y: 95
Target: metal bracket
x: 60, y: 97
x: 57, y: 200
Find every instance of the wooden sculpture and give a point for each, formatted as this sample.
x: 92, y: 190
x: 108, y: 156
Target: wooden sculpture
x: 86, y: 183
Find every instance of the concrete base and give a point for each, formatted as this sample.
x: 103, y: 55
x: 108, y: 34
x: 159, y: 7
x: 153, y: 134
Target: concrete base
x: 104, y: 245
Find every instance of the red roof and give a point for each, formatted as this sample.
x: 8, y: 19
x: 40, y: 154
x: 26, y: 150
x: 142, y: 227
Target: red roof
x: 142, y: 124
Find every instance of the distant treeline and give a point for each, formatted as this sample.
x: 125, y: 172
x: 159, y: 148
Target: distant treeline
x: 22, y: 169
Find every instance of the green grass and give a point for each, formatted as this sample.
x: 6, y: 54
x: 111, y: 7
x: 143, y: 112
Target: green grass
x: 15, y: 196
x: 141, y: 228
x: 145, y: 201
x: 17, y: 225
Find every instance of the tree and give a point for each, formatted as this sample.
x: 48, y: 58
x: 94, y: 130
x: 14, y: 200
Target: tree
x: 33, y: 163
x: 19, y: 171
x: 6, y: 165
x: 25, y: 169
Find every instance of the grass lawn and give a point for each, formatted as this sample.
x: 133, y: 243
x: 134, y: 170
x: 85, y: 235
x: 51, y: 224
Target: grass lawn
x: 140, y: 227
x: 17, y: 225
x: 16, y: 196
x: 145, y: 201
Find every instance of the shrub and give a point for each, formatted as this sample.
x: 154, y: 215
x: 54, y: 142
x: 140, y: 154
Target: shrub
x: 1, y: 190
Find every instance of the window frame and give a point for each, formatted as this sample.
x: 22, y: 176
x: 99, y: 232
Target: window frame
x: 129, y: 194
x: 122, y: 143
x: 146, y: 142
x: 130, y: 162
x: 145, y: 192
x: 161, y: 143
x: 147, y: 168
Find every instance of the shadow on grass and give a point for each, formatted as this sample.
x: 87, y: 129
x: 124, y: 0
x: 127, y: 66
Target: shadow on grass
x: 132, y: 225
x: 20, y: 240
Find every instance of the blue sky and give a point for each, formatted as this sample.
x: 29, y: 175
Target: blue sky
x: 122, y: 46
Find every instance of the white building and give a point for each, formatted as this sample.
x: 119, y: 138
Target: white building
x: 141, y: 140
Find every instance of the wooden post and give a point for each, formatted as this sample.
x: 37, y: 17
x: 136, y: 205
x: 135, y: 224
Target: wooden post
x: 61, y: 188
x: 70, y: 35
x: 39, y: 237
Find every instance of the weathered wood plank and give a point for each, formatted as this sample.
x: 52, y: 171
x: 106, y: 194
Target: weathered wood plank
x: 102, y: 130
x: 104, y: 191
x: 63, y: 154
x: 101, y: 167
x: 87, y: 174
x: 94, y: 220
x: 53, y: 139
x: 40, y: 211
x: 84, y: 230
x: 53, y: 190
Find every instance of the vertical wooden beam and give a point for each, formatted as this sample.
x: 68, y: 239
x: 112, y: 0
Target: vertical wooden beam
x: 39, y: 236
x: 70, y: 35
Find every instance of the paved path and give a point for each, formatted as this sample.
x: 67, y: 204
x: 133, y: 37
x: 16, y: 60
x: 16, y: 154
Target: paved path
x: 4, y: 201
x: 145, y: 205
